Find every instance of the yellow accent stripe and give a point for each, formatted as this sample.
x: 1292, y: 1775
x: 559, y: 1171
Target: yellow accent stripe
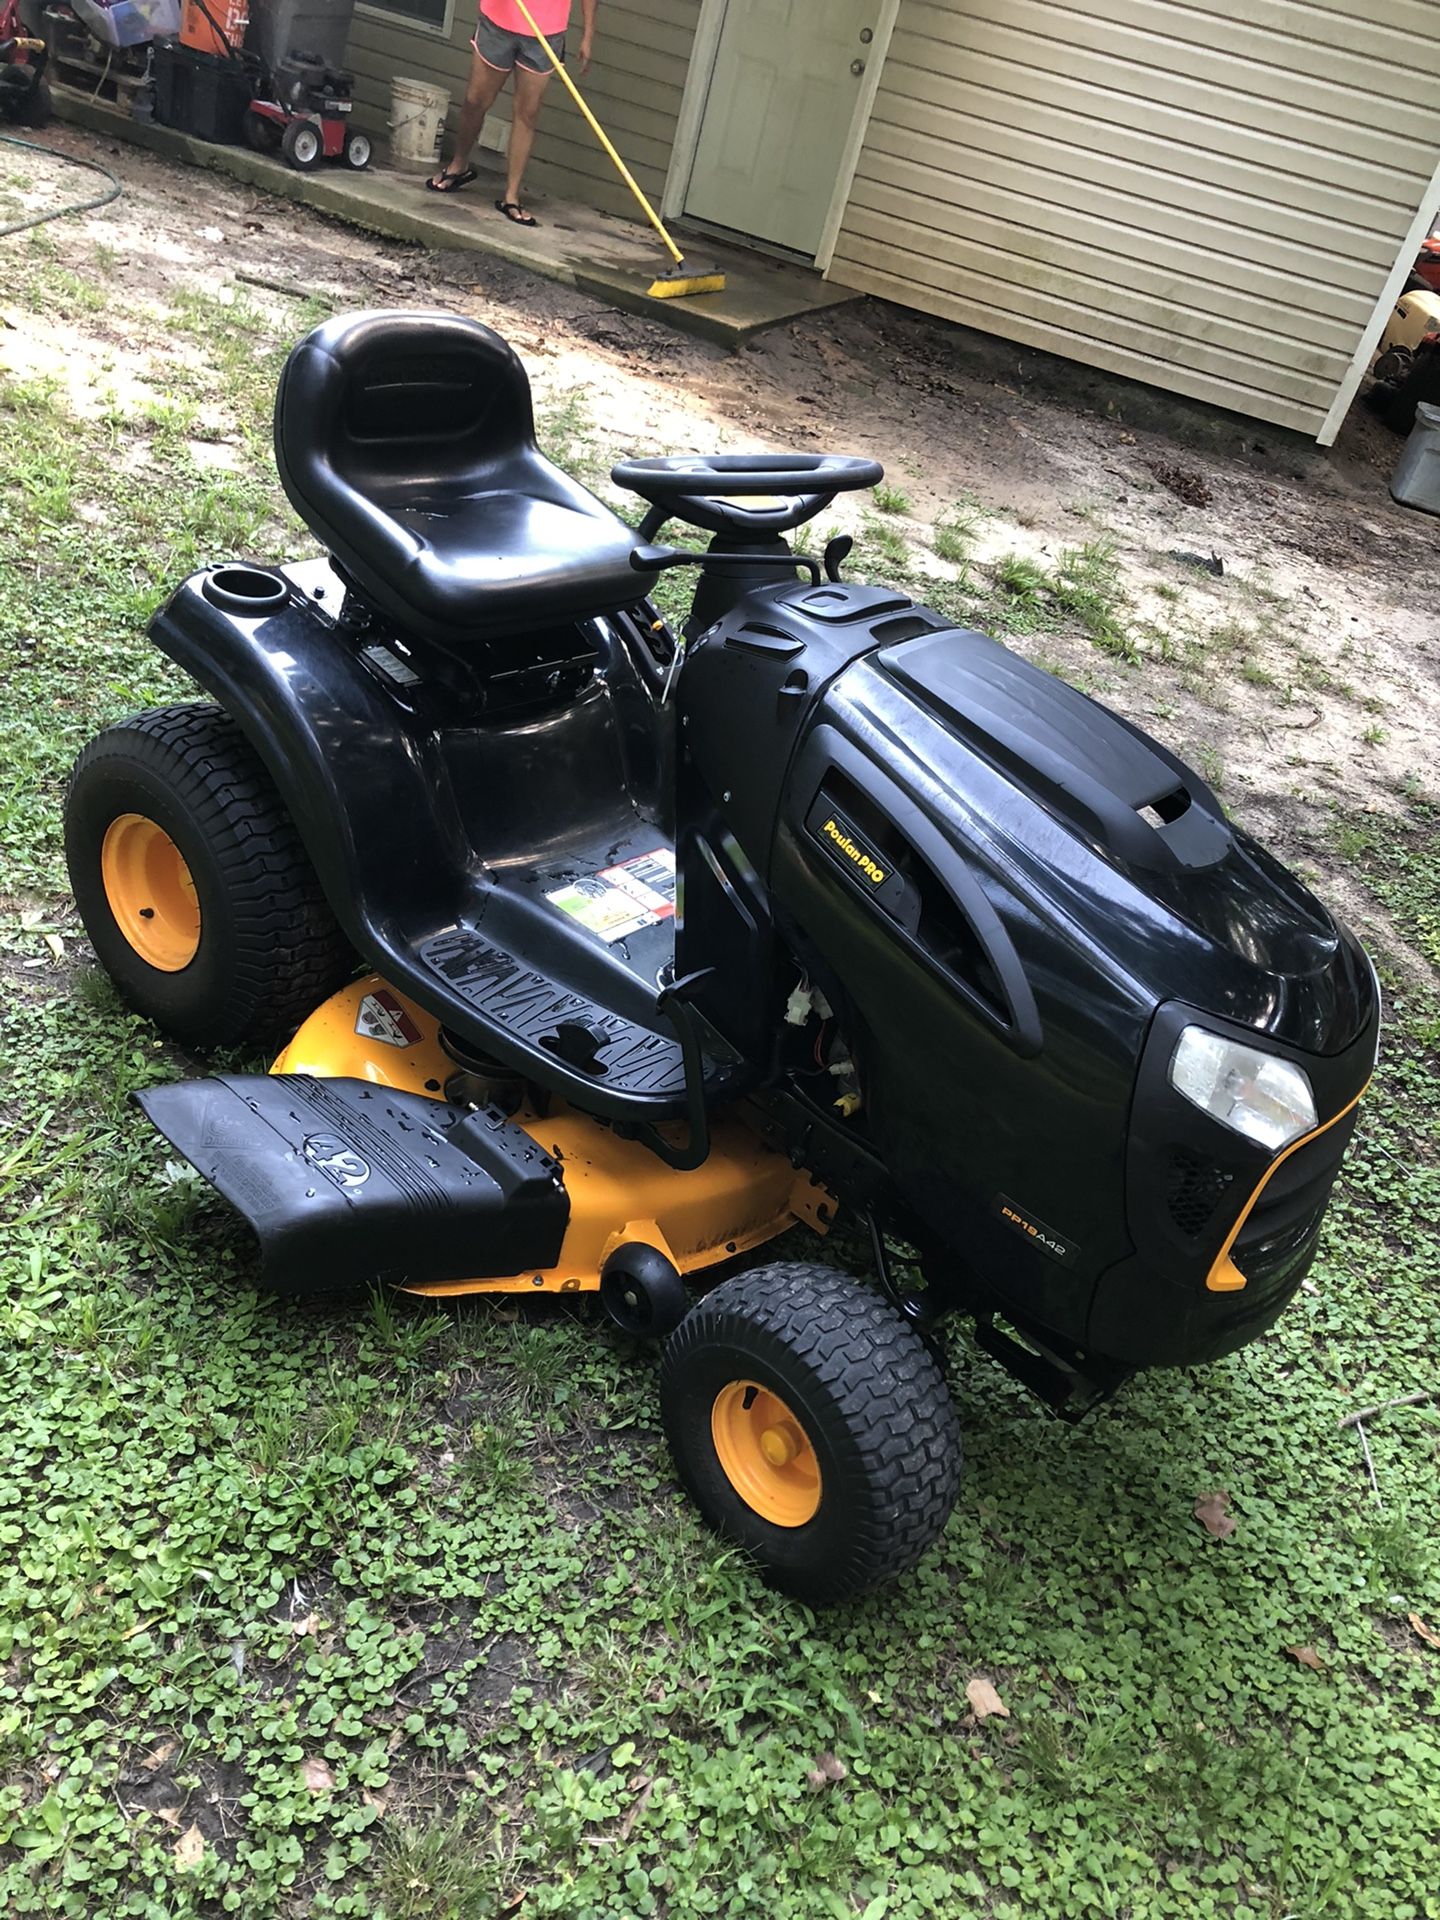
x: 1224, y: 1276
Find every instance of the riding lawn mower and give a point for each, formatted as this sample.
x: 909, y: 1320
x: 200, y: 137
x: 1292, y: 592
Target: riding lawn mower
x: 602, y: 956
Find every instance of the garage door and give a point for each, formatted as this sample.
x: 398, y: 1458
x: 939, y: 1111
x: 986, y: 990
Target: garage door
x: 1206, y: 198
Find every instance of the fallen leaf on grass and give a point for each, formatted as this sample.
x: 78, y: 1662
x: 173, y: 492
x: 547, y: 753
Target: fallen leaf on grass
x: 636, y: 1808
x: 1427, y: 1634
x: 312, y: 1623
x: 170, y: 1815
x: 827, y: 1771
x: 317, y: 1776
x: 1210, y: 1511
x: 158, y: 1755
x: 190, y: 1847
x: 984, y: 1700
x: 1306, y: 1657
x: 379, y: 1801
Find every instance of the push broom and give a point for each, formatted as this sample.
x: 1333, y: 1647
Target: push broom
x: 680, y: 279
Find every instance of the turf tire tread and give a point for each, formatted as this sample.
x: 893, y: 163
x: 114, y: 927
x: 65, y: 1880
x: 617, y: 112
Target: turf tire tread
x: 895, y: 1424
x: 288, y: 953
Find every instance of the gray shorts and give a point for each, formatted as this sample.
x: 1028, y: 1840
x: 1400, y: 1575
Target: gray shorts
x: 504, y: 51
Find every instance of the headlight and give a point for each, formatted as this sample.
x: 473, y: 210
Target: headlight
x: 1266, y: 1099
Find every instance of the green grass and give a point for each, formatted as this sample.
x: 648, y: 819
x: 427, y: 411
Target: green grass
x: 887, y: 499
x: 953, y: 536
x: 1086, y: 585
x: 567, y: 435
x: 879, y: 540
x: 397, y: 1611
x: 1020, y: 600
x: 1082, y: 589
x: 1207, y: 759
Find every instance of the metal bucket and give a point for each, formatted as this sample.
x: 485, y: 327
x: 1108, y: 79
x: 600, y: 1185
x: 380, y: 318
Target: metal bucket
x: 1416, y: 480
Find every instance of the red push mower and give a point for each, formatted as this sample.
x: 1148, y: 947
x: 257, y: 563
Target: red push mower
x: 308, y: 120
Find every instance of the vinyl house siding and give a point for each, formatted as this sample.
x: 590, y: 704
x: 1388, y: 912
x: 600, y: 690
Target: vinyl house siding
x: 634, y: 87
x: 1210, y: 200
x: 1207, y: 197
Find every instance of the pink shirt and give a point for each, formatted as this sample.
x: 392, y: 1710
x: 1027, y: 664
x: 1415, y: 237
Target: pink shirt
x: 551, y: 16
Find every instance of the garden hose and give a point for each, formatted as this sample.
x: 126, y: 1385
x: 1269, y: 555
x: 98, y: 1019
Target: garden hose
x: 59, y: 213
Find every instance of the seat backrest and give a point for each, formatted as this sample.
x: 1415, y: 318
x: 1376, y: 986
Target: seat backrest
x: 394, y: 403
x: 406, y: 442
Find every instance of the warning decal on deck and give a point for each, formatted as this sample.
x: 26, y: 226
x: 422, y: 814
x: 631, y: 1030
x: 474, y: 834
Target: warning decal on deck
x: 382, y: 1017
x: 623, y: 899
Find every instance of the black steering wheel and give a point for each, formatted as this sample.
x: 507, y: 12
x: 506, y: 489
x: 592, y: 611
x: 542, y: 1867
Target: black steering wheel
x: 709, y: 490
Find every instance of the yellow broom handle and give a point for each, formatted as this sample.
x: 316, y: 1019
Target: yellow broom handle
x: 600, y: 134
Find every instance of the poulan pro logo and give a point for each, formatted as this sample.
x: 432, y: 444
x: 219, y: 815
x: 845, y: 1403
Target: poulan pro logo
x: 842, y: 843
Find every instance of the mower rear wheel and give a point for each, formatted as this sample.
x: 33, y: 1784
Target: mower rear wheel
x: 358, y: 151
x: 196, y: 893
x: 262, y: 134
x: 812, y: 1426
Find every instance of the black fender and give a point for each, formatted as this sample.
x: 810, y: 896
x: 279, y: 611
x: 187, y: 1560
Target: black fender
x: 359, y: 771
x: 356, y: 747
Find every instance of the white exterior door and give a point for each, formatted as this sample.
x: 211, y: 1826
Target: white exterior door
x: 782, y: 97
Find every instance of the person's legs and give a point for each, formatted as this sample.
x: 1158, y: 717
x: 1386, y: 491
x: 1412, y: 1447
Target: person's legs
x: 481, y: 94
x: 529, y: 92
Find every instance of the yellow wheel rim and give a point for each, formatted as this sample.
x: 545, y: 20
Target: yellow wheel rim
x: 765, y: 1453
x: 149, y: 891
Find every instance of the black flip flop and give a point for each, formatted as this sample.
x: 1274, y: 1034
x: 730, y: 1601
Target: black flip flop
x: 458, y: 180
x: 511, y: 211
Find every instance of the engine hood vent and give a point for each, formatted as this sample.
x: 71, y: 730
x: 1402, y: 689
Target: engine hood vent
x: 1085, y: 765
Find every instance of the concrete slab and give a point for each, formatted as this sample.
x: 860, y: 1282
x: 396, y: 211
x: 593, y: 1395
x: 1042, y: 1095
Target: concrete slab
x: 613, y: 260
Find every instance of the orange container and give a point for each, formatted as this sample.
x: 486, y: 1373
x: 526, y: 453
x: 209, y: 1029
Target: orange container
x: 199, y: 31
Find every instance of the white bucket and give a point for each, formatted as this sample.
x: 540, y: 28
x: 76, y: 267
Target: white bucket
x: 417, y: 116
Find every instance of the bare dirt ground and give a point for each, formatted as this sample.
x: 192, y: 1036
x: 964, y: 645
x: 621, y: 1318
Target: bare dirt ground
x: 1304, y: 677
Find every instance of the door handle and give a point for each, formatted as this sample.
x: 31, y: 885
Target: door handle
x: 857, y: 66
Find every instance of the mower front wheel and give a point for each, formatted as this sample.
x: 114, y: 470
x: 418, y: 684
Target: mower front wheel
x: 303, y: 145
x: 812, y: 1426
x: 199, y: 900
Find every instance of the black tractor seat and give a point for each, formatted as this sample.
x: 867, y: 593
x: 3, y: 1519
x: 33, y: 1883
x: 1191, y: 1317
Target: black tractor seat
x: 406, y: 442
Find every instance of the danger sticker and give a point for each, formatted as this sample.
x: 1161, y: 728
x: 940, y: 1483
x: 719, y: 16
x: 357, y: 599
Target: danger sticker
x: 381, y: 1016
x: 623, y: 899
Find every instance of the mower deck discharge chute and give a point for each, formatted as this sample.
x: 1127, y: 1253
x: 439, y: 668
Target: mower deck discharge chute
x: 673, y: 944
